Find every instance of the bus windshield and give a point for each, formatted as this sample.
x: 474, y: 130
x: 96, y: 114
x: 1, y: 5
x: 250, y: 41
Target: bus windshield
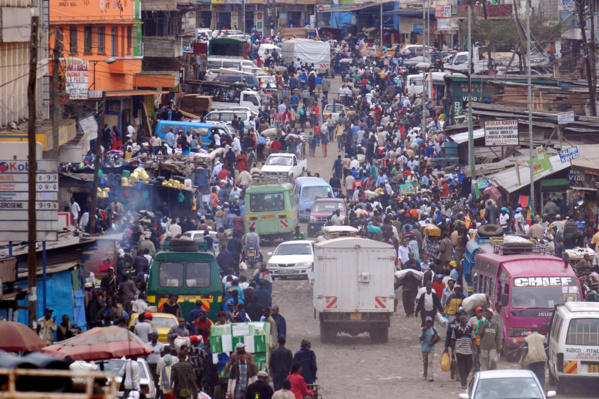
x: 543, y: 292
x: 267, y: 202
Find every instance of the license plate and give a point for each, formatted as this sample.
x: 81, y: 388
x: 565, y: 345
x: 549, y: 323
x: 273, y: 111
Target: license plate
x: 251, y: 253
x: 355, y: 316
x: 593, y: 368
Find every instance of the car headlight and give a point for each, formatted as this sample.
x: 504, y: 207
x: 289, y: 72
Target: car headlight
x: 313, y: 219
x: 304, y: 264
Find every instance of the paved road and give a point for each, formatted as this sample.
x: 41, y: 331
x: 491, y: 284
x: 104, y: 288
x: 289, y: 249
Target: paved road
x: 353, y: 367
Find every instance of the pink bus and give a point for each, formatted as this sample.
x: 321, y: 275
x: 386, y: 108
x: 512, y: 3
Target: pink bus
x: 529, y: 285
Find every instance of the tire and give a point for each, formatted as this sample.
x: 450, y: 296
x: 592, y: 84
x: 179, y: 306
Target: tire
x: 327, y: 334
x: 183, y: 246
x: 487, y: 230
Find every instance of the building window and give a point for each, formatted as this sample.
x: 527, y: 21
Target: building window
x: 129, y: 39
x: 73, y: 40
x: 101, y: 42
x: 87, y: 40
x: 113, y: 40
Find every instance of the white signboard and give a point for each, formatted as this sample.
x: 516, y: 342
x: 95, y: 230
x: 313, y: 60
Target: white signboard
x: 566, y: 5
x: 77, y: 78
x: 89, y: 126
x: 14, y: 197
x: 501, y: 133
x: 563, y: 118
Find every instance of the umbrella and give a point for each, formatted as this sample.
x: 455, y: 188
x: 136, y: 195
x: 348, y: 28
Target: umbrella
x: 100, y: 343
x: 18, y: 337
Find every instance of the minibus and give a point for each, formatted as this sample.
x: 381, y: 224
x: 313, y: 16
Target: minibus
x: 308, y: 189
x: 272, y: 210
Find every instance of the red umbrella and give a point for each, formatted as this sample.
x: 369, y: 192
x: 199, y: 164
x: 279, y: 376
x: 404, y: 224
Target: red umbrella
x: 17, y: 337
x: 100, y: 343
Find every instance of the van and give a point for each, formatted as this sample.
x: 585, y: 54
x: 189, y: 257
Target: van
x: 437, y: 79
x: 306, y: 190
x: 226, y: 116
x: 529, y: 284
x: 204, y: 131
x: 574, y: 344
x: 272, y: 210
x: 251, y: 80
x: 188, y: 273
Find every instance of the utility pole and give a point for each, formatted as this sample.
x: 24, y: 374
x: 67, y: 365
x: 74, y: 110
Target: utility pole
x: 55, y: 100
x: 31, y: 145
x: 424, y: 53
x: 97, y: 165
x: 243, y: 17
x: 381, y: 32
x: 589, y: 50
x: 530, y: 143
x: 471, y: 158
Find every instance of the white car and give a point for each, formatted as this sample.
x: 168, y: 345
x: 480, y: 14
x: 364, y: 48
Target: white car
x: 505, y: 384
x: 146, y: 382
x: 292, y: 258
x: 198, y: 236
x: 284, y: 165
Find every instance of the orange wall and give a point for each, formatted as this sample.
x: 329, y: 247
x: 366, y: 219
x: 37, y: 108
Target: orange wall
x: 123, y: 15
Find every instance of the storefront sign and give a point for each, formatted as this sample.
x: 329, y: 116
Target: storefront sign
x: 501, y: 133
x: 563, y: 118
x: 575, y: 175
x: 543, y: 281
x: 77, y: 78
x: 443, y: 11
x: 541, y: 162
x: 566, y: 5
x: 569, y: 154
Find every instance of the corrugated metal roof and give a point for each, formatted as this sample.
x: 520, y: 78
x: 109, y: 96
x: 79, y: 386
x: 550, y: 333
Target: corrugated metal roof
x: 463, y: 137
x: 508, y: 179
x: 588, y: 156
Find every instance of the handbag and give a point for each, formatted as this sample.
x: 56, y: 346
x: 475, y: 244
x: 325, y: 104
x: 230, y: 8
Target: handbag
x: 445, y: 361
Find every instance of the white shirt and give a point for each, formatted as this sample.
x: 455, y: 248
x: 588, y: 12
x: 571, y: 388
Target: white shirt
x: 75, y: 209
x: 132, y: 376
x: 143, y: 329
x: 175, y: 230
x: 337, y: 220
x: 403, y: 252
x: 84, y: 220
x: 354, y: 164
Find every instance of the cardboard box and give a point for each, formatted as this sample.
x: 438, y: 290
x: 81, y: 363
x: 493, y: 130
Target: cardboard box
x: 216, y: 331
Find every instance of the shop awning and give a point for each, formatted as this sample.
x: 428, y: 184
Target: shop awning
x: 463, y: 137
x: 554, y: 185
x: 510, y: 180
x: 125, y: 93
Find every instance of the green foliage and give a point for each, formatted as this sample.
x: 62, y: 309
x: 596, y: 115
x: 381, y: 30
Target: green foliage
x: 503, y: 33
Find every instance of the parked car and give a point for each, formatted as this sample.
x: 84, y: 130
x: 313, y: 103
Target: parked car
x: 322, y: 210
x: 146, y: 381
x: 292, y: 258
x: 162, y: 322
x: 505, y: 384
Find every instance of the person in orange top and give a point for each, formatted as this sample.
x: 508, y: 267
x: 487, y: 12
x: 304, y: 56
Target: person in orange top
x: 298, y: 384
x: 214, y: 198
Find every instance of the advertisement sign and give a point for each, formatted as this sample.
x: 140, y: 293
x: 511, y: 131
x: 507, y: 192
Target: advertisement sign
x: 541, y: 162
x: 501, y: 133
x: 569, y: 154
x: 77, y: 78
x: 566, y: 5
x: 575, y: 175
x: 447, y: 24
x: 443, y: 11
x: 563, y: 118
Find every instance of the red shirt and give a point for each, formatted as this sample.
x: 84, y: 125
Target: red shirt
x: 238, y: 223
x: 438, y: 288
x: 298, y: 386
x: 316, y: 129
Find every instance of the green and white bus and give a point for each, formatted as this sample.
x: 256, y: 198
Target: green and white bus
x: 272, y: 210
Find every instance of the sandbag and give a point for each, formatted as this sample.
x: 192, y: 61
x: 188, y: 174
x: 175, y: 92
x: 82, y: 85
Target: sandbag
x: 440, y: 320
x: 445, y: 361
x: 474, y: 301
x: 180, y: 341
x: 401, y: 274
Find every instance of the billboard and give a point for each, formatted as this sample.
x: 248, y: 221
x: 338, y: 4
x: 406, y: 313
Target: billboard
x: 501, y: 133
x: 76, y: 78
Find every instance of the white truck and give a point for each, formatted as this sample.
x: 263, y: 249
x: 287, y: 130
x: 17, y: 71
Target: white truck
x: 247, y: 99
x: 461, y: 62
x: 353, y: 287
x: 308, y: 51
x: 284, y: 165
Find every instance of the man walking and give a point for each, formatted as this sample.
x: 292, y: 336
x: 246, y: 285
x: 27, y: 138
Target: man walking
x: 260, y: 389
x: 462, y: 348
x: 429, y: 336
x: 280, y: 363
x: 534, y: 356
x: 241, y: 376
x: 428, y: 304
x: 491, y: 337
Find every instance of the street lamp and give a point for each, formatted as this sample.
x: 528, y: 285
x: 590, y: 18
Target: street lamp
x: 106, y: 61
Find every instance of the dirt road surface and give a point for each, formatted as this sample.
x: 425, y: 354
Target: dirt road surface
x: 353, y: 367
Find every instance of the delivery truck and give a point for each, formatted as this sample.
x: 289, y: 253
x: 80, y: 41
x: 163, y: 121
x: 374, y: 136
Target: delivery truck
x: 308, y: 51
x: 353, y: 287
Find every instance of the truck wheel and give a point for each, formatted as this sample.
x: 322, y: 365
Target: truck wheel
x: 379, y: 335
x: 327, y: 334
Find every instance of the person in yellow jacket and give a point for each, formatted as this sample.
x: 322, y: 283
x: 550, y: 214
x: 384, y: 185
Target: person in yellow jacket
x: 454, y: 302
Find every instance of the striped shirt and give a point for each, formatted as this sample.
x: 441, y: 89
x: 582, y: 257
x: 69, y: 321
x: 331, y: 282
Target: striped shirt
x: 463, y: 339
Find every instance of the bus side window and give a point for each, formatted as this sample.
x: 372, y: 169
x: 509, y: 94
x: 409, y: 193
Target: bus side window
x: 498, y: 291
